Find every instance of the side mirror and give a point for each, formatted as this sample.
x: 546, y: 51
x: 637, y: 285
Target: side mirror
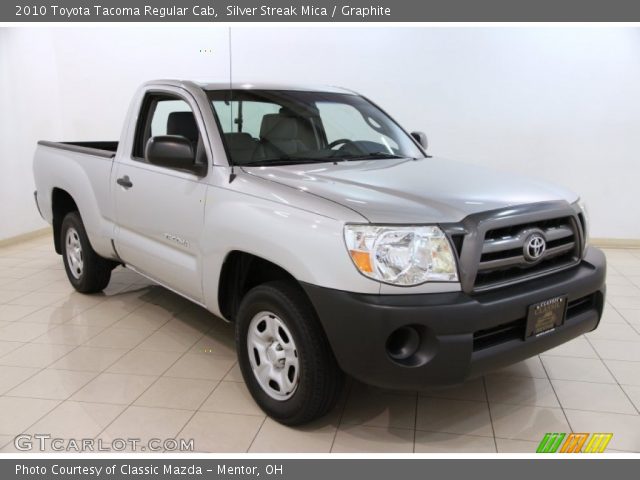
x: 421, y: 138
x: 172, y: 151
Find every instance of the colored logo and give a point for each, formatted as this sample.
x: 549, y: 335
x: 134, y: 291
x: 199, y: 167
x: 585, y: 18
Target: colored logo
x: 574, y: 443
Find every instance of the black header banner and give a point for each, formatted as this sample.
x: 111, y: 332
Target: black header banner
x: 319, y: 11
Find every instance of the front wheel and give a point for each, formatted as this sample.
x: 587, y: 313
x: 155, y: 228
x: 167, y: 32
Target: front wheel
x: 86, y: 270
x: 284, y: 354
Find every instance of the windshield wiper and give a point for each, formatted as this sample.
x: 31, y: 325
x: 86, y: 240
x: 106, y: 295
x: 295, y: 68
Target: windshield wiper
x: 274, y: 162
x: 370, y: 156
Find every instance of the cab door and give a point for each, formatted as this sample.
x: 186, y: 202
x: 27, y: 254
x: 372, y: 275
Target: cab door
x: 160, y: 210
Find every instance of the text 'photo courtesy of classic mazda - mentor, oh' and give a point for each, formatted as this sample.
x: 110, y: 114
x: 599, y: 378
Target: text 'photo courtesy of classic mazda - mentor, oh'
x: 324, y: 231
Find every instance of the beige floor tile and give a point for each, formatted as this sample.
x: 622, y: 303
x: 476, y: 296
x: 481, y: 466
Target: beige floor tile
x: 77, y: 419
x: 146, y: 423
x: 118, y: 338
x: 454, y: 416
x: 12, y: 376
x: 615, y: 331
x: 597, y: 397
x: 231, y: 397
x: 114, y: 388
x: 578, y: 347
x: 218, y: 342
x: 52, y: 384
x: 625, y: 428
x: 362, y: 439
x: 17, y: 414
x: 234, y: 375
x: 617, y: 350
x: 146, y: 317
x: 631, y: 315
x: 316, y: 437
x: 11, y: 313
x: 171, y: 339
x: 522, y: 422
x: 30, y: 284
x: 17, y: 272
x: 380, y: 409
x: 35, y: 355
x: 506, y: 445
x: 222, y: 432
x: 58, y: 286
x: 5, y: 440
x: 626, y: 373
x: 611, y: 315
x: 23, y: 332
x: 181, y: 393
x: 79, y: 302
x: 7, y: 296
x: 144, y: 362
x: 436, y: 442
x: 531, y: 367
x: 521, y: 391
x: 201, y: 365
x: 49, y: 315
x: 633, y: 392
x: 578, y: 369
x: 6, y: 347
x: 89, y: 359
x: 99, y: 317
x: 469, y: 390
x: 69, y: 334
x: 39, y: 299
x: 620, y: 302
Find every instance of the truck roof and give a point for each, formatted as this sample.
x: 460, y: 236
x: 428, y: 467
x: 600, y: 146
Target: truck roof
x: 248, y: 85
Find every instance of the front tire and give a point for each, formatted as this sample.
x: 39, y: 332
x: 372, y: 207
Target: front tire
x: 284, y: 355
x: 86, y: 270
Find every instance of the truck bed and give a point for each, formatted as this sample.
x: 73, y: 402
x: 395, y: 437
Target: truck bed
x: 100, y: 149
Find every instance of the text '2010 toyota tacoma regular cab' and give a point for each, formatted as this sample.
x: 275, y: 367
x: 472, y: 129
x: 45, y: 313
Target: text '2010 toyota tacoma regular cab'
x: 312, y: 221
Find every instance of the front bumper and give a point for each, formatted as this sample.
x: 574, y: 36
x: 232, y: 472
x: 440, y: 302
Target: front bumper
x: 460, y: 335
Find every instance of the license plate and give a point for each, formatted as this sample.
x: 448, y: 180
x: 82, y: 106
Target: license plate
x: 544, y: 317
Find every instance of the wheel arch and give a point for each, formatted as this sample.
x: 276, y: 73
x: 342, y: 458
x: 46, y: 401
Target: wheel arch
x: 241, y: 271
x: 62, y: 203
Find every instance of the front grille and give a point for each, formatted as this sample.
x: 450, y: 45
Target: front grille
x: 515, y: 330
x: 503, y: 259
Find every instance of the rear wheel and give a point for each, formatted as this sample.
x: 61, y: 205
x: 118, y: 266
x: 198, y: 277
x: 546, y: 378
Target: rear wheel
x: 284, y: 355
x: 86, y: 270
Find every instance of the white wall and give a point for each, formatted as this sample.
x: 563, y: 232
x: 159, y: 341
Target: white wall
x: 559, y: 103
x: 75, y: 84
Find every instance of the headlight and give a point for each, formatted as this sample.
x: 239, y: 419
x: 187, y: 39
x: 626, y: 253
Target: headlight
x: 402, y: 256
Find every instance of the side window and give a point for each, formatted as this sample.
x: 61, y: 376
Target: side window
x: 164, y: 114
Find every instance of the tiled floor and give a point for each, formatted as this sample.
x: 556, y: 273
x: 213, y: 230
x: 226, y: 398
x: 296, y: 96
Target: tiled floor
x: 140, y: 362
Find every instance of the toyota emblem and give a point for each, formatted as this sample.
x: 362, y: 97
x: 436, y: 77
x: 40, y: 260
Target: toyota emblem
x: 534, y: 247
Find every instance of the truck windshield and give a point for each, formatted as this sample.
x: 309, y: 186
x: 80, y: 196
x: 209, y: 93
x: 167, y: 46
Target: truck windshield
x: 276, y: 127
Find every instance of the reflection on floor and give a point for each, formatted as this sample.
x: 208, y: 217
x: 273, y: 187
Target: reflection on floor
x: 140, y: 362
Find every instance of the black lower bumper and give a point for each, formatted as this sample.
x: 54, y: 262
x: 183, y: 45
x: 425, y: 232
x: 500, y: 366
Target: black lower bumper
x: 458, y: 335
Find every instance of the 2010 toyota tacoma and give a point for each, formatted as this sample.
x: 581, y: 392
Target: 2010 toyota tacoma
x: 325, y: 232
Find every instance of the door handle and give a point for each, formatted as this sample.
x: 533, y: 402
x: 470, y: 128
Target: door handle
x: 124, y: 182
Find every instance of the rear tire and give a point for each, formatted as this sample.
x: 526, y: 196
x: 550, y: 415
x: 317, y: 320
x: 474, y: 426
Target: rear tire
x: 87, y: 271
x: 294, y: 351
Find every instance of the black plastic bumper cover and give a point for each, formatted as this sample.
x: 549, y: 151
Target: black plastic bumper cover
x: 358, y: 326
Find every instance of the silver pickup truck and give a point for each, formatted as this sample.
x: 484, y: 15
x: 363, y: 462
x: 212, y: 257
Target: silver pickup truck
x: 311, y: 220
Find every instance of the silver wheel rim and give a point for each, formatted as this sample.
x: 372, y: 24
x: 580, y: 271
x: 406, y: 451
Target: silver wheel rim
x: 273, y: 356
x: 73, y: 249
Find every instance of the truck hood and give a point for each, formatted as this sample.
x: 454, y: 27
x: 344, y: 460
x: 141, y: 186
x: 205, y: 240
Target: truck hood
x: 429, y: 190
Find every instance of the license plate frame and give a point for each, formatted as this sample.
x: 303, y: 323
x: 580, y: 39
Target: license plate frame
x: 545, y: 316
